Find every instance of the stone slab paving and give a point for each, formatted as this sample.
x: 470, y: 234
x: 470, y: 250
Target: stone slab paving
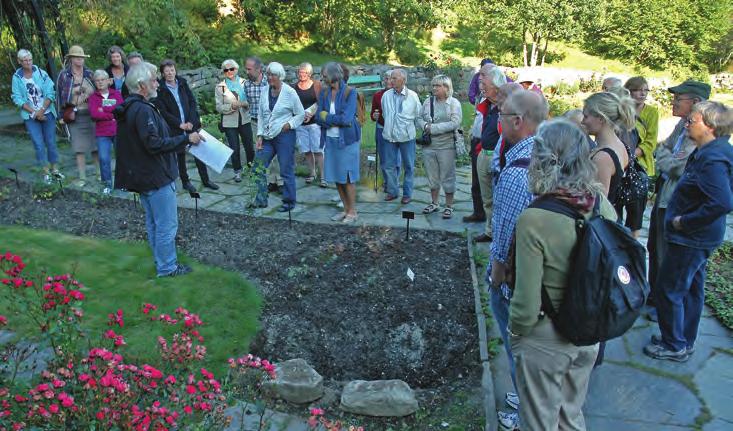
x: 629, y: 392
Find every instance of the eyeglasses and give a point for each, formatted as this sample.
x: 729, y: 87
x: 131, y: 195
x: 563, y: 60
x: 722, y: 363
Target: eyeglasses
x: 230, y: 69
x: 689, y: 121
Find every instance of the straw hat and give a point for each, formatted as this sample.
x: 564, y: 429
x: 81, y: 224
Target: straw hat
x: 76, y: 51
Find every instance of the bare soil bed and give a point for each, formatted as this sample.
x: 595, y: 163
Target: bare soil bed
x: 336, y: 296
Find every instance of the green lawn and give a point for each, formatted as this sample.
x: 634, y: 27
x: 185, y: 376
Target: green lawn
x: 121, y: 275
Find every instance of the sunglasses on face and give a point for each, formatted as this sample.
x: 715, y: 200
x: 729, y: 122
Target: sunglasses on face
x: 230, y: 69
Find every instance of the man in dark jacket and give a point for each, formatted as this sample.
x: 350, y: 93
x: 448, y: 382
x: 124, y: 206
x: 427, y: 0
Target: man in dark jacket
x: 178, y: 107
x: 146, y: 164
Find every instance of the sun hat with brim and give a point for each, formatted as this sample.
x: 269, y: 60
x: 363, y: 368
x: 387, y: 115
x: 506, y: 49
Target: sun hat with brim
x: 690, y: 86
x: 76, y: 51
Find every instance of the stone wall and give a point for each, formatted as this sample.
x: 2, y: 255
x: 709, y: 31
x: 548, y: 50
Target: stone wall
x: 418, y: 78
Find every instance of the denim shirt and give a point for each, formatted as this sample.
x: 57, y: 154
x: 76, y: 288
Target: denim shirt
x: 344, y: 117
x: 703, y: 197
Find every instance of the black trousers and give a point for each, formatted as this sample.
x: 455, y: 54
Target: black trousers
x: 478, y: 203
x: 183, y: 173
x: 233, y: 134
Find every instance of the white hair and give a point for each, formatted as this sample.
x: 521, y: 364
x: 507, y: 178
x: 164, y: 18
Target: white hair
x: 445, y: 81
x: 307, y: 67
x: 493, y: 74
x: 276, y: 69
x: 226, y: 64
x: 400, y: 72
x: 139, y: 74
x: 100, y: 74
x: 23, y: 54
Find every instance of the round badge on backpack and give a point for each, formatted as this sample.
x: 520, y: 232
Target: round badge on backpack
x: 623, y: 275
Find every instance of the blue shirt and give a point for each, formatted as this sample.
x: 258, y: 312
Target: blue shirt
x: 177, y: 97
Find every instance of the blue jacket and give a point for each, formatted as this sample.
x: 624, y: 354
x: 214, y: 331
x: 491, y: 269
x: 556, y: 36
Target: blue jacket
x: 344, y: 118
x: 20, y: 92
x: 703, y: 197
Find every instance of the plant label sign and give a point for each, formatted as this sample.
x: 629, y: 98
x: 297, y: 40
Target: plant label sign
x: 410, y: 274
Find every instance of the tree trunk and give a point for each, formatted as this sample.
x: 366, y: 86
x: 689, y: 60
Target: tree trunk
x: 46, y: 45
x: 14, y: 12
x: 60, y: 29
x: 544, y: 51
x: 524, y: 46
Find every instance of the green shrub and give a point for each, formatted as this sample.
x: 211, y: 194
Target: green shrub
x: 559, y: 106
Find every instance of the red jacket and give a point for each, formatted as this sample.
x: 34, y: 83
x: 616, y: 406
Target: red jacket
x: 104, y: 120
x: 377, y: 106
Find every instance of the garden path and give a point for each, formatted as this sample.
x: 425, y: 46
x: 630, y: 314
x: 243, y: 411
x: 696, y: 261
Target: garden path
x: 630, y: 391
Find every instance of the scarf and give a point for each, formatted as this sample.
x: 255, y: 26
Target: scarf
x: 581, y: 201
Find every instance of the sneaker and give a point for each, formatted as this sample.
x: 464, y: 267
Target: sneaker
x: 56, y: 174
x: 512, y: 400
x: 237, y: 177
x: 47, y: 179
x: 657, y: 340
x: 272, y: 187
x: 180, y: 270
x: 657, y: 351
x: 189, y: 187
x: 508, y: 421
x: 107, y: 191
x: 350, y: 219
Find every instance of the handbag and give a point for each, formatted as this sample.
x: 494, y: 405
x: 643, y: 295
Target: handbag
x: 635, y: 182
x: 69, y: 113
x: 425, y: 139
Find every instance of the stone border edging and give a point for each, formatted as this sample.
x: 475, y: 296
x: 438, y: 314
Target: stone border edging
x: 487, y: 379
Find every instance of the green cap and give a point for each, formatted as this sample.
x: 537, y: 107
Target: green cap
x: 690, y: 86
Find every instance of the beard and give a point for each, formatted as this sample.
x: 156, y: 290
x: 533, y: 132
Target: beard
x: 152, y: 94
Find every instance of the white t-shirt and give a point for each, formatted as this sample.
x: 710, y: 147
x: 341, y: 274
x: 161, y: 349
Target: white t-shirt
x: 332, y: 132
x: 35, y: 94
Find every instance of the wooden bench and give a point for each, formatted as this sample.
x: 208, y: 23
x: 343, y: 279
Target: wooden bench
x: 367, y: 84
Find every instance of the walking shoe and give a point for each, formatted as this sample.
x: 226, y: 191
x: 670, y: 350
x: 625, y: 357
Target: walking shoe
x: 180, y: 270
x: 483, y: 238
x: 406, y: 200
x: 657, y: 351
x: 508, y: 421
x: 47, y: 179
x: 107, y: 191
x: 657, y: 340
x: 257, y: 205
x: 338, y: 217
x: 473, y: 218
x: 285, y: 208
x: 237, y: 177
x: 56, y: 174
x: 272, y: 187
x: 390, y: 198
x: 189, y: 187
x: 211, y: 185
x: 350, y: 219
x: 512, y: 400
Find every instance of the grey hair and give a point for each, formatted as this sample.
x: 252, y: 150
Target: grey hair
x: 229, y: 62
x: 276, y: 69
x: 613, y: 82
x: 530, y: 105
x: 445, y: 81
x: 134, y: 54
x: 307, y: 67
x: 400, y: 72
x: 717, y: 116
x: 573, y: 115
x: 509, y: 88
x: 100, y: 74
x: 23, y: 54
x: 619, y: 111
x: 561, y: 160
x: 138, y: 74
x: 494, y: 75
x: 332, y: 72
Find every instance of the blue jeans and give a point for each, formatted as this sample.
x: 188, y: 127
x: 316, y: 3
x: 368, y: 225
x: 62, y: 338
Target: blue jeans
x: 393, y: 151
x: 381, y: 151
x: 161, y: 221
x: 500, y: 309
x: 680, y: 295
x: 43, y: 136
x: 283, y: 147
x: 104, y: 146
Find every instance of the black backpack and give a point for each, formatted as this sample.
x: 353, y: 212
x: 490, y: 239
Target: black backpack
x: 607, y: 285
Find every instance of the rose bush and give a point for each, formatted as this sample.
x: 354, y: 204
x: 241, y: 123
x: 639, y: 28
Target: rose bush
x: 92, y: 386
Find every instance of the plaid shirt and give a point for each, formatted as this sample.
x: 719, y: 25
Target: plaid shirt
x: 254, y: 93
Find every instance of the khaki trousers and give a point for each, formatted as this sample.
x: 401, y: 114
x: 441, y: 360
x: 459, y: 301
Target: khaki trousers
x: 486, y: 182
x: 552, y: 379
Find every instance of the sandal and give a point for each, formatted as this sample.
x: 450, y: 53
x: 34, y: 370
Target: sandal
x: 431, y: 208
x: 448, y: 212
x: 309, y: 179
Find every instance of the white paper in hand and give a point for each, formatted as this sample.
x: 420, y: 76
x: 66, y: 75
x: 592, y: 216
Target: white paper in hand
x: 211, y: 151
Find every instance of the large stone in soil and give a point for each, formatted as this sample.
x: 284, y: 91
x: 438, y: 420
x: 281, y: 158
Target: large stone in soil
x: 378, y: 398
x: 296, y: 382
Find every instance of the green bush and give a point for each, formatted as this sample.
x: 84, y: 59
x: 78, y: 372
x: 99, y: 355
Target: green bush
x: 559, y: 106
x: 562, y: 89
